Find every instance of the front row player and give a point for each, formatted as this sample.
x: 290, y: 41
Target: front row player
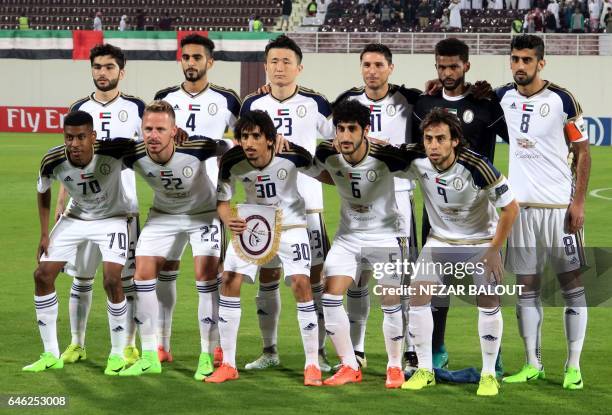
x: 364, y: 175
x: 183, y: 208
x: 268, y: 179
x: 462, y: 190
x: 91, y: 172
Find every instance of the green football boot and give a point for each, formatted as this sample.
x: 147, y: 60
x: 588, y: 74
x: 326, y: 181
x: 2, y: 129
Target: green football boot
x: 422, y: 378
x: 205, y: 367
x: 114, y: 365
x: 130, y: 354
x: 526, y: 374
x: 148, y: 364
x: 488, y: 386
x: 572, y: 379
x: 46, y: 361
x: 74, y: 353
x: 440, y: 358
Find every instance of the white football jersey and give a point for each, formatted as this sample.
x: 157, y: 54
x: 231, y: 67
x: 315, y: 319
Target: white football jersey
x: 367, y: 191
x: 390, y: 117
x: 208, y: 113
x: 461, y: 201
x: 120, y: 117
x: 302, y: 118
x: 181, y: 186
x: 541, y: 128
x: 274, y: 185
x: 95, y: 190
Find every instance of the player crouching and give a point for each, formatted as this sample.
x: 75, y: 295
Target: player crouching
x: 268, y: 180
x: 462, y: 190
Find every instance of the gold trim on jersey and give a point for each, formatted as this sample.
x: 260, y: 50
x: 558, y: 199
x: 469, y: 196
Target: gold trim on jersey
x: 484, y: 169
x: 78, y: 101
x: 189, y: 94
x: 310, y: 211
x: 539, y: 91
x: 461, y: 241
x: 287, y: 227
x: 53, y: 156
x: 576, y: 104
x: 231, y: 91
x: 280, y: 101
x: 124, y: 95
x: 542, y: 205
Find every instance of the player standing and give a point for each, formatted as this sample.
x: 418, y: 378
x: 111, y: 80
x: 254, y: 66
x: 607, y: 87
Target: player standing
x: 270, y: 180
x: 363, y: 173
x: 390, y: 120
x: 91, y: 173
x: 301, y: 116
x: 545, y: 125
x: 462, y: 190
x: 184, y: 207
x: 482, y: 120
x: 205, y: 109
x: 114, y: 114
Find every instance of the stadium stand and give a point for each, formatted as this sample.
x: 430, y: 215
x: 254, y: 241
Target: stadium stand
x: 212, y: 15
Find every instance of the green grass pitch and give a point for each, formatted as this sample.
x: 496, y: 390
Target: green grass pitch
x: 280, y: 390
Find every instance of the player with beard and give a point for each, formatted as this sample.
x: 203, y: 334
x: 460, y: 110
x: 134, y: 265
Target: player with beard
x: 203, y: 109
x: 114, y: 114
x: 545, y: 126
x: 482, y: 120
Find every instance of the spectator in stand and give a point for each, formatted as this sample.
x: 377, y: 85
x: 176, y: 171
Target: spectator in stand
x: 140, y: 19
x: 577, y: 19
x: 477, y: 4
x: 311, y: 8
x: 24, y: 21
x: 123, y: 24
x: 445, y: 20
x: 258, y: 24
x: 608, y: 20
x: 517, y: 26
x: 423, y: 12
x: 334, y: 10
x: 287, y: 9
x: 538, y: 20
x: 565, y: 15
x: 385, y: 15
x: 604, y: 10
x: 455, y: 15
x: 553, y: 7
x: 496, y: 4
x: 524, y: 4
x: 251, y: 22
x: 594, y: 14
x: 165, y: 23
x: 550, y: 22
x: 409, y: 13
x: 511, y: 4
x: 97, y: 23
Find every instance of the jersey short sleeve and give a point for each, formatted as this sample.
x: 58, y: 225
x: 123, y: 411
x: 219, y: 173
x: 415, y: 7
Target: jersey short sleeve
x: 44, y: 183
x: 500, y: 193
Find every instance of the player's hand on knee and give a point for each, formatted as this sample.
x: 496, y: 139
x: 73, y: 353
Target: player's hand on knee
x: 43, y: 247
x: 237, y: 225
x: 493, y: 265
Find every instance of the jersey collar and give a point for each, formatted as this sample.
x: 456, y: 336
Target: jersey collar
x: 546, y: 85
x: 448, y: 168
x: 390, y: 90
x: 104, y: 104
x: 367, y: 153
x: 297, y: 88
x: 169, y: 160
x: 190, y: 95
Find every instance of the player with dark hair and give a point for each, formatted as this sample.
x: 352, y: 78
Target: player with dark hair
x: 545, y: 126
x: 91, y: 173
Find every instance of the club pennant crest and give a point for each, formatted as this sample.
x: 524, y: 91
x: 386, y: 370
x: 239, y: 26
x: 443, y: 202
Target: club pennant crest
x: 259, y: 243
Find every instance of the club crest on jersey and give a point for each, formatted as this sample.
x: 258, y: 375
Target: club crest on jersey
x: 544, y: 110
x: 526, y: 107
x: 105, y: 169
x: 105, y: 115
x: 391, y: 110
x: 194, y: 107
x: 282, y: 111
x: 458, y: 183
x: 212, y: 109
x: 281, y: 174
x: 263, y: 178
x: 123, y: 115
x: 371, y: 175
x: 301, y: 111
x: 166, y: 173
x: 468, y: 116
x: 85, y: 176
x: 187, y: 171
x: 440, y: 181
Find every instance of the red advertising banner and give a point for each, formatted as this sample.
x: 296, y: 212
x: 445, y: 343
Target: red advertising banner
x: 32, y: 119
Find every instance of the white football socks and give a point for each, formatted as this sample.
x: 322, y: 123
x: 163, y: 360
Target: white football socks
x: 117, y: 322
x: 393, y: 333
x: 575, y: 316
x: 420, y: 328
x: 268, y: 303
x: 208, y: 314
x: 81, y: 294
x: 166, y: 296
x: 530, y: 315
x: 229, y: 322
x: 46, y: 316
x: 338, y: 329
x: 147, y: 310
x: 358, y: 310
x: 490, y: 329
x: 309, y: 329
